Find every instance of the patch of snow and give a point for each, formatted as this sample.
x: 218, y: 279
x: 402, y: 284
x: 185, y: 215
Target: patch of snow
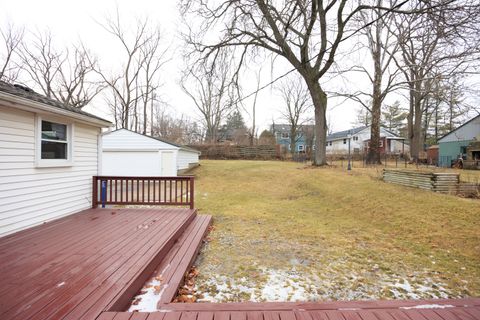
x: 147, y: 302
x: 280, y: 285
x: 430, y: 306
x: 329, y: 283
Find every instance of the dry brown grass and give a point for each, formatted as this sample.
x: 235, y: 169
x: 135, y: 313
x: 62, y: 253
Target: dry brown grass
x: 357, y: 236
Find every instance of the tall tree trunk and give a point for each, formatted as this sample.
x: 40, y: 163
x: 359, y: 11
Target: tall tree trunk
x: 151, y: 114
x: 125, y: 116
x: 436, y: 123
x: 373, y: 155
x: 416, y: 140
x: 293, y: 138
x: 145, y: 118
x: 319, y: 99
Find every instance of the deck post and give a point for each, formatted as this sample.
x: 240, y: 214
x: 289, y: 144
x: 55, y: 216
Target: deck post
x: 192, y: 192
x: 94, y: 192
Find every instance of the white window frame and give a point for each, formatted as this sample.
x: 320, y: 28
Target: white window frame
x: 47, y: 163
x: 285, y: 135
x: 301, y: 147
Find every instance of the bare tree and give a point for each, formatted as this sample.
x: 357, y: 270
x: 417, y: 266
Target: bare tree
x: 154, y: 59
x: 253, y: 130
x: 296, y: 104
x: 139, y: 74
x: 306, y: 33
x: 176, y: 129
x: 437, y: 44
x: 382, y: 47
x: 42, y: 62
x: 67, y: 76
x: 212, y: 92
x: 363, y: 117
x: 12, y: 39
x: 76, y: 84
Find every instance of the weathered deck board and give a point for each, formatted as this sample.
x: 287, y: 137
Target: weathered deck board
x: 75, y: 266
x: 181, y: 257
x: 463, y: 309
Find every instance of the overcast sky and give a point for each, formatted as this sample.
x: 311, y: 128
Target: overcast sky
x: 71, y: 21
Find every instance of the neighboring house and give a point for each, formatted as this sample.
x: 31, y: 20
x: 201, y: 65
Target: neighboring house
x: 454, y: 144
x: 388, y: 145
x: 432, y: 155
x: 337, y: 142
x: 48, y: 155
x: 303, y: 140
x: 127, y: 153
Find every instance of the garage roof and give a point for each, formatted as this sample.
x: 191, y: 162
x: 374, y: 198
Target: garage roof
x: 124, y: 139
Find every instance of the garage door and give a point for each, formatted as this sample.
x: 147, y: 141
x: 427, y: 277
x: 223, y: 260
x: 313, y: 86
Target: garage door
x: 124, y: 163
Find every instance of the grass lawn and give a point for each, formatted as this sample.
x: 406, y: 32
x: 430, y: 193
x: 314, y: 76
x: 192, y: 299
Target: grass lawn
x: 286, y: 232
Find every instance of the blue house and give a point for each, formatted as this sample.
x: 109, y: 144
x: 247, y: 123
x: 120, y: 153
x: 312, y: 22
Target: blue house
x: 454, y: 145
x: 304, y: 139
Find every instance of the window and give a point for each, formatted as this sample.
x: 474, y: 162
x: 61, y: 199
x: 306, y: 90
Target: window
x: 381, y: 144
x: 54, y: 141
x: 355, y: 138
x: 285, y: 135
x: 54, y: 146
x: 344, y: 141
x: 301, y: 147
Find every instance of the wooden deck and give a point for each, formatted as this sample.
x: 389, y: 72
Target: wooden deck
x: 91, y: 264
x: 93, y: 261
x: 459, y: 309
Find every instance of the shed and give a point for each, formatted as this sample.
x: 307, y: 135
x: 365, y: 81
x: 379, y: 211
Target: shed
x: 454, y: 144
x: 48, y: 155
x: 128, y: 153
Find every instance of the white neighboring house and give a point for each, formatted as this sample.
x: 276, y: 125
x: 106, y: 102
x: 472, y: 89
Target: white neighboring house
x: 127, y: 153
x: 48, y: 155
x: 337, y: 142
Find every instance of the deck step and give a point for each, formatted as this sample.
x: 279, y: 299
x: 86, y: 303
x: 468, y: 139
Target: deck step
x: 136, y: 281
x: 180, y: 258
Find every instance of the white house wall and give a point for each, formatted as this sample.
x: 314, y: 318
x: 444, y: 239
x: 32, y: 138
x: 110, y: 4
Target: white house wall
x: 467, y: 132
x: 185, y: 158
x: 338, y: 147
x: 131, y: 163
x: 29, y: 195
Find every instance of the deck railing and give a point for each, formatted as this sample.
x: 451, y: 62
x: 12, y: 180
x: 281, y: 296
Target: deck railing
x: 165, y: 191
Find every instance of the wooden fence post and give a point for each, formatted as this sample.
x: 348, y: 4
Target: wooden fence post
x: 94, y: 192
x: 192, y: 192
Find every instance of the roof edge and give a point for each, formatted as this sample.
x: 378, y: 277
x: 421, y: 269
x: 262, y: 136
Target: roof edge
x: 178, y: 146
x: 33, y: 106
x: 447, y: 134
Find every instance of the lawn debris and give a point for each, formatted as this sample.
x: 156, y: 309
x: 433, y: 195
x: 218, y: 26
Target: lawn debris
x: 187, y: 292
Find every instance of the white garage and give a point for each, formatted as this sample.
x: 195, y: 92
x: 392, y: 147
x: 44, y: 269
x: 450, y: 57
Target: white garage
x: 127, y: 153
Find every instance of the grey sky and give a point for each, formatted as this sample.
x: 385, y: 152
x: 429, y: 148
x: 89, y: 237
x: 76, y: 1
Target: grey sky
x: 70, y: 21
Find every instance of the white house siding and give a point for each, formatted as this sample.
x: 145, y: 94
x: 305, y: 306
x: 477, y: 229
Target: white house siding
x: 338, y: 147
x: 469, y: 131
x: 131, y: 163
x: 399, y: 146
x: 30, y: 195
x: 127, y: 153
x: 185, y: 158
